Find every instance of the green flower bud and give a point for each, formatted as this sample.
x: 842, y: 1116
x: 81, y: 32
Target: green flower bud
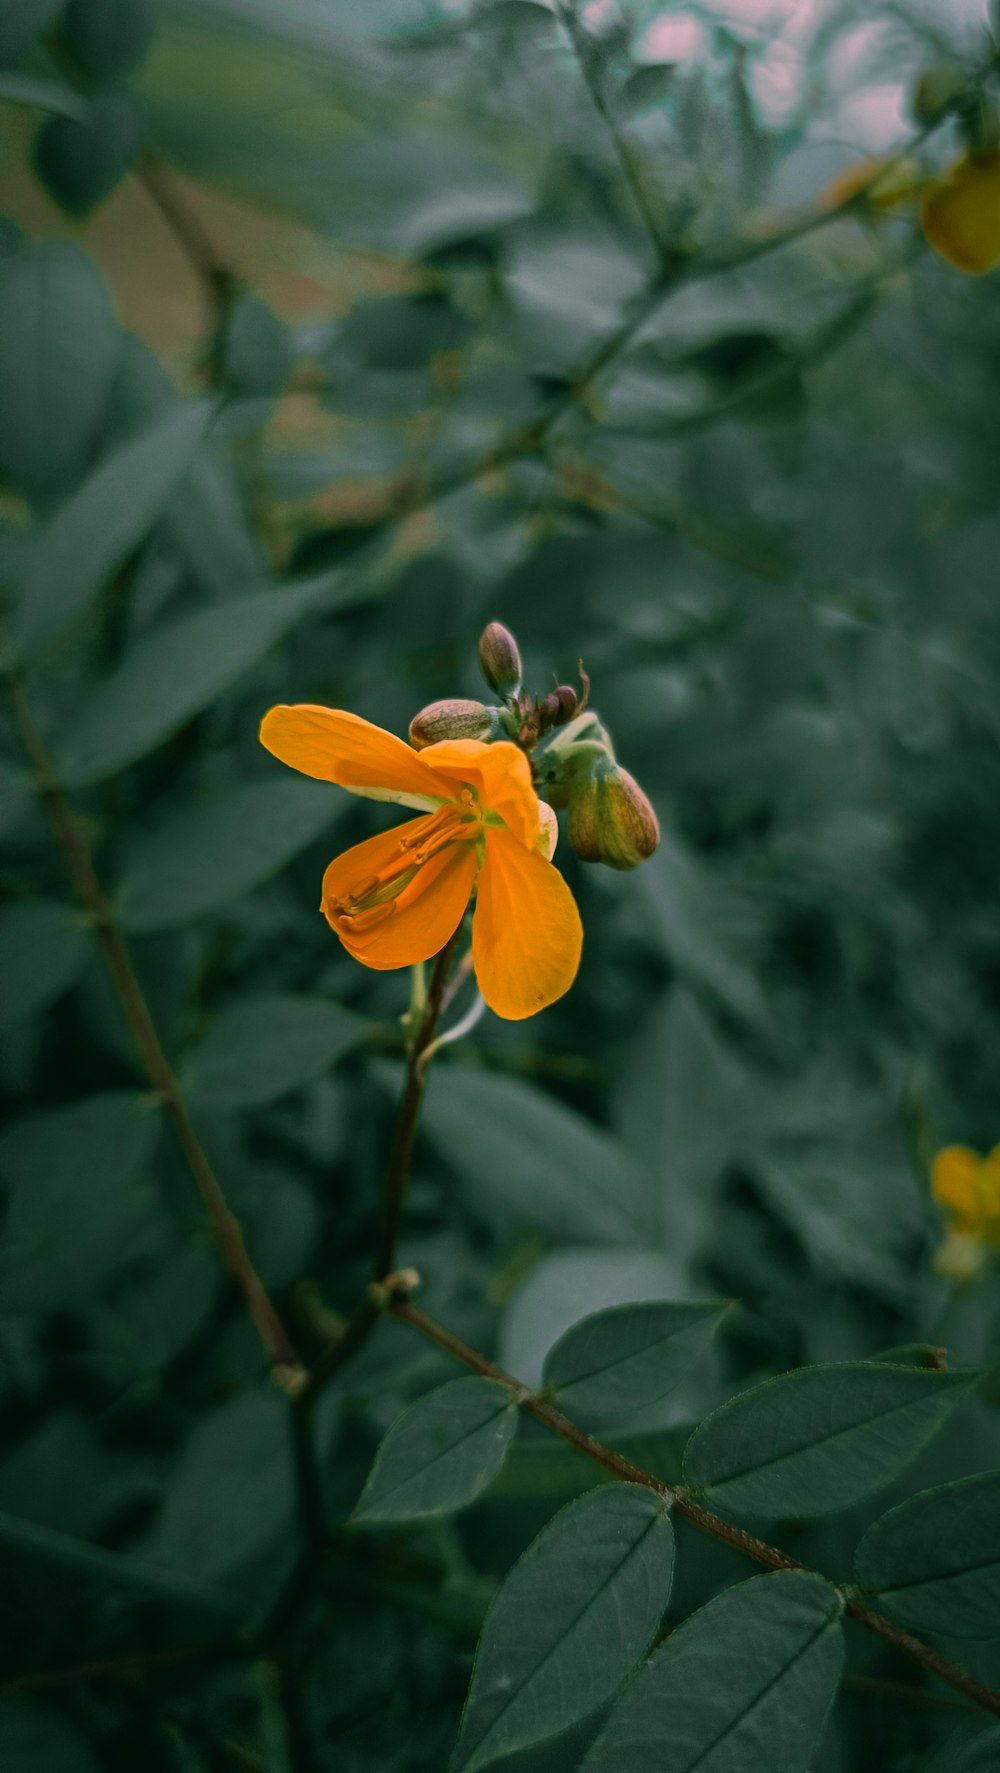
x: 500, y: 660
x: 936, y: 91
x: 610, y: 818
x: 455, y: 719
x: 979, y: 123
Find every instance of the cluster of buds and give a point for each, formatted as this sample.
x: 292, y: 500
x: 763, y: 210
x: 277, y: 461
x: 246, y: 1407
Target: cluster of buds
x: 609, y: 818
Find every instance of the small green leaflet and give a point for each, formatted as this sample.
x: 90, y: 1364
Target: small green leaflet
x: 265, y: 1046
x: 174, y: 672
x: 94, y: 531
x: 813, y: 1441
x: 933, y: 1563
x: 441, y: 1453
x: 44, y: 948
x: 743, y: 1686
x: 569, y: 1623
x: 622, y: 1359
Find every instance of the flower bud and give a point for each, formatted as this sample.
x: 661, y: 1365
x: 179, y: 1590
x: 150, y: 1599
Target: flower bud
x: 454, y: 719
x: 936, y: 91
x: 610, y: 818
x: 500, y: 660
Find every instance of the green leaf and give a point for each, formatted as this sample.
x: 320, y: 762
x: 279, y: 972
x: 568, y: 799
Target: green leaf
x: 744, y: 1684
x: 173, y: 673
x: 568, y: 1624
x: 623, y: 1359
x: 227, y: 1514
x: 44, y: 948
x: 44, y: 95
x: 813, y: 1441
x: 441, y: 1453
x: 265, y: 1046
x: 80, y: 1205
x: 59, y: 349
x: 22, y: 21
x: 258, y: 355
x: 974, y: 1747
x: 109, y: 39
x: 933, y: 1563
x: 523, y: 1153
x: 215, y: 848
x: 33, y: 1737
x: 86, y: 541
x: 80, y: 160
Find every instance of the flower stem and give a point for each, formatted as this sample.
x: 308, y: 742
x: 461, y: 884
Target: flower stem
x: 401, y: 1154
x: 278, y: 1347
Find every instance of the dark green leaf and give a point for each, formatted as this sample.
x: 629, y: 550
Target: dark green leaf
x: 744, y: 1684
x: 814, y: 1441
x: 174, y: 673
x: 44, y: 948
x: 524, y: 1153
x: 441, y: 1453
x: 217, y: 847
x: 629, y: 1356
x: 59, y: 350
x: 80, y: 160
x: 80, y: 1201
x: 45, y: 95
x: 227, y: 1517
x: 259, y: 357
x: 109, y: 38
x: 933, y: 1563
x: 83, y: 544
x: 33, y: 1737
x: 974, y: 1747
x: 22, y: 21
x: 266, y: 1046
x: 569, y: 1623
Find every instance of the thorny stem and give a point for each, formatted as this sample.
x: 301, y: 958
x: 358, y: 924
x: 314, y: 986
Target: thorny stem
x: 770, y: 1556
x: 278, y: 1347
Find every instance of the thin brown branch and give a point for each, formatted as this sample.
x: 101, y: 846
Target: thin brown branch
x: 628, y: 159
x: 82, y: 1673
x: 770, y: 1556
x: 220, y: 282
x: 277, y: 1344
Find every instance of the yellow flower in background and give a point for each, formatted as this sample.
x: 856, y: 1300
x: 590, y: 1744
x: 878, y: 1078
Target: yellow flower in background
x: 967, y: 1186
x: 397, y: 898
x: 961, y: 214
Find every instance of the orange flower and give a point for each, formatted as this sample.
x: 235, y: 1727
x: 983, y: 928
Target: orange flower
x: 961, y: 214
x: 397, y: 898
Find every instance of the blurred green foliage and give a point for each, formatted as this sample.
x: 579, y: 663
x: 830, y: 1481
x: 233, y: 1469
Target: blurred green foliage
x: 753, y: 487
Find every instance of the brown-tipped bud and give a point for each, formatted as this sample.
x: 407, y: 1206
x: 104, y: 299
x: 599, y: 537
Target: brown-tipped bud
x: 455, y: 719
x: 500, y: 660
x: 610, y: 818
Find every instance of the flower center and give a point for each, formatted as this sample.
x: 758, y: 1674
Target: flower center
x: 371, y: 902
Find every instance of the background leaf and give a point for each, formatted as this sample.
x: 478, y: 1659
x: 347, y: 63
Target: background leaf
x: 266, y: 1046
x: 44, y: 947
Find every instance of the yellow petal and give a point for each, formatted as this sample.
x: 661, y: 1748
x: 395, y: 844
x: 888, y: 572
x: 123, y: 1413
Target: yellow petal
x: 501, y: 776
x: 961, y: 216
x: 955, y: 1180
x: 416, y: 924
x: 335, y: 746
x: 526, y: 933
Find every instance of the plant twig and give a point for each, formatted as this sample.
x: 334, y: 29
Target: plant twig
x: 278, y: 1347
x: 116, y: 1669
x: 770, y: 1556
x: 627, y: 158
x: 218, y: 279
x: 405, y: 1132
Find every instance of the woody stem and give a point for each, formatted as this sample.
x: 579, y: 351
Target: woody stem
x: 278, y: 1347
x: 404, y: 1135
